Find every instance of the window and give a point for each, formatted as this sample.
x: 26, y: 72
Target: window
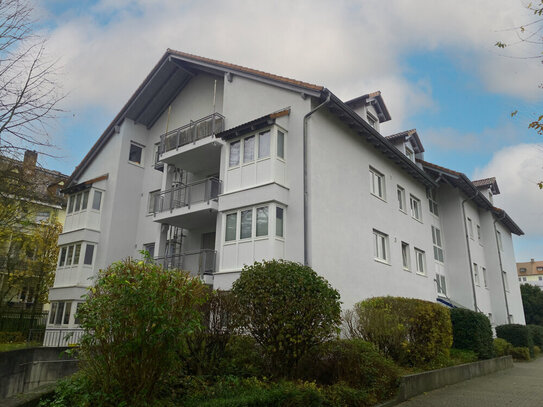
x: 380, y: 246
x: 264, y: 144
x: 96, y: 200
x: 420, y: 261
x: 249, y: 149
x: 377, y: 183
x: 42, y: 216
x: 67, y: 310
x: 262, y: 221
x: 89, y: 253
x: 432, y: 201
x: 441, y: 284
x: 60, y: 312
x: 522, y: 270
x: 70, y: 255
x: 438, y: 247
x: 231, y: 225
x: 149, y: 248
x: 152, y: 205
x: 78, y: 202
x: 470, y: 228
x: 499, y: 238
x: 77, y: 253
x: 539, y: 268
x: 85, y: 200
x: 409, y: 153
x: 406, y: 260
x: 485, y: 282
x: 401, y: 198
x: 71, y: 200
x: 519, y: 279
x: 246, y: 224
x: 476, y: 274
x: 134, y: 156
x: 416, y: 212
x: 540, y: 278
x: 280, y: 144
x: 372, y: 120
x: 479, y: 233
x: 279, y: 222
x: 234, y: 154
x: 62, y: 259
x: 523, y: 278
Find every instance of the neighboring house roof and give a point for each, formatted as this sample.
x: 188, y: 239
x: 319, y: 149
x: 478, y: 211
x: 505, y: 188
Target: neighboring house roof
x: 488, y: 183
x: 410, y: 135
x: 162, y: 85
x: 531, y: 268
x: 253, y: 125
x: 462, y: 182
x: 376, y: 100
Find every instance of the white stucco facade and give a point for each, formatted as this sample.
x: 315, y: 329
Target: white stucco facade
x: 231, y: 187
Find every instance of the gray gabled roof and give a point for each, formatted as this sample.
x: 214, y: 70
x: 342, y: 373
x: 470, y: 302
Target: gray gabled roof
x: 411, y: 135
x: 376, y: 100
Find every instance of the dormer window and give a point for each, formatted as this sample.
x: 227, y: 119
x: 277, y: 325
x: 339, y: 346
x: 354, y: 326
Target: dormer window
x: 409, y: 153
x: 372, y: 120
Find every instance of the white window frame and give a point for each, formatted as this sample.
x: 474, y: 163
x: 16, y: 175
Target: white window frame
x: 441, y: 283
x: 470, y: 228
x: 152, y: 201
x: 72, y: 200
x: 406, y: 256
x: 62, y: 315
x: 410, y: 153
x: 400, y: 192
x: 432, y: 202
x: 377, y: 181
x: 372, y: 120
x: 273, y: 136
x: 380, y: 247
x: 415, y: 203
x: 476, y: 277
x: 437, y: 240
x: 272, y: 219
x: 420, y: 261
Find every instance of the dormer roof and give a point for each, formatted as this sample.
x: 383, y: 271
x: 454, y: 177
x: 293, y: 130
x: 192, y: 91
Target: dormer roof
x: 408, y: 135
x: 487, y: 183
x: 376, y: 100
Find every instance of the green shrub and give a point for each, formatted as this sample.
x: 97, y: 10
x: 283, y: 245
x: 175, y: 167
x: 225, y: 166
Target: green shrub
x: 411, y: 331
x: 243, y: 358
x: 354, y: 363
x: 461, y: 356
x: 11, y: 337
x: 342, y: 395
x: 520, y: 353
x: 502, y: 347
x: 472, y: 331
x: 517, y: 335
x: 234, y: 392
x: 287, y: 308
x: 537, y: 334
x: 135, y: 319
x: 537, y: 351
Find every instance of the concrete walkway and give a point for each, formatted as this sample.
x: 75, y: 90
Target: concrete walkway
x: 521, y: 386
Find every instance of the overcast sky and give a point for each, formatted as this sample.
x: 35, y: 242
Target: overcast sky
x: 434, y: 61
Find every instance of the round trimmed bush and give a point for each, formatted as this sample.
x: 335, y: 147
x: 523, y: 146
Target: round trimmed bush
x: 287, y: 308
x: 472, y: 331
x: 502, y: 347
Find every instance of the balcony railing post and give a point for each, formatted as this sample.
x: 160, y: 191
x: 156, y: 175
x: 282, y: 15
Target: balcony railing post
x: 207, y: 190
x: 189, y: 188
x: 171, y: 199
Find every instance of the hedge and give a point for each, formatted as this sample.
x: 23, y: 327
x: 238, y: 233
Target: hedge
x: 517, y: 335
x: 502, y: 347
x: 472, y: 331
x: 413, y: 332
x: 537, y: 334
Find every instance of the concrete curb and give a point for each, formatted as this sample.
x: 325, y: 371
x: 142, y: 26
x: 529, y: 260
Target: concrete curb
x: 415, y: 384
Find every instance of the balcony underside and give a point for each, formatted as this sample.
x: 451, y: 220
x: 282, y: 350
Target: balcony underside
x: 199, y: 215
x: 202, y: 156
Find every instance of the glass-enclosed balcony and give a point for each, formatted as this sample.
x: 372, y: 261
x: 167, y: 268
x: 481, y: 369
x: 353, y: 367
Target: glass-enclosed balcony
x: 198, y: 262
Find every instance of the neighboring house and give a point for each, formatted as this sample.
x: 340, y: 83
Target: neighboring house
x: 29, y: 196
x: 211, y: 166
x: 531, y: 273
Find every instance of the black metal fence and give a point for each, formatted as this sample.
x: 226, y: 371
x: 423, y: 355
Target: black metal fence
x: 22, y: 321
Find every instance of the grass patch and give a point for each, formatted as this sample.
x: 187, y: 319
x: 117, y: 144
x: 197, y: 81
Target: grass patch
x: 6, y: 347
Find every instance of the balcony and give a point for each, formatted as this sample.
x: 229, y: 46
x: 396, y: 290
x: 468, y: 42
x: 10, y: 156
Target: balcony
x: 199, y: 262
x: 193, y: 146
x: 189, y: 206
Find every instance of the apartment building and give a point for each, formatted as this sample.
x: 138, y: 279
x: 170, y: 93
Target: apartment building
x: 530, y: 273
x: 211, y: 166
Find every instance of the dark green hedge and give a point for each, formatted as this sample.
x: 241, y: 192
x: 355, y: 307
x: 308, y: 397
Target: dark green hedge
x: 517, y: 335
x: 472, y: 331
x: 537, y: 334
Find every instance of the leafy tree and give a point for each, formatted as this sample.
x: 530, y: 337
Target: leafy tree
x: 136, y: 318
x: 287, y: 308
x: 532, y: 301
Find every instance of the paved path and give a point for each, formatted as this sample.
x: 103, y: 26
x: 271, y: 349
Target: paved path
x: 521, y: 386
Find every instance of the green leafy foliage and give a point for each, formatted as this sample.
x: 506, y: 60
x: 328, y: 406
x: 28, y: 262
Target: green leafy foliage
x: 353, y: 364
x: 461, y: 356
x: 537, y: 351
x: 11, y: 337
x: 472, y: 331
x: 520, y: 353
x: 517, y: 335
x: 287, y: 308
x: 502, y: 347
x: 532, y: 301
x: 536, y: 331
x: 410, y: 331
x: 135, y: 318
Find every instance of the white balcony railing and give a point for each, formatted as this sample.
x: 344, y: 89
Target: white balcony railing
x: 186, y: 195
